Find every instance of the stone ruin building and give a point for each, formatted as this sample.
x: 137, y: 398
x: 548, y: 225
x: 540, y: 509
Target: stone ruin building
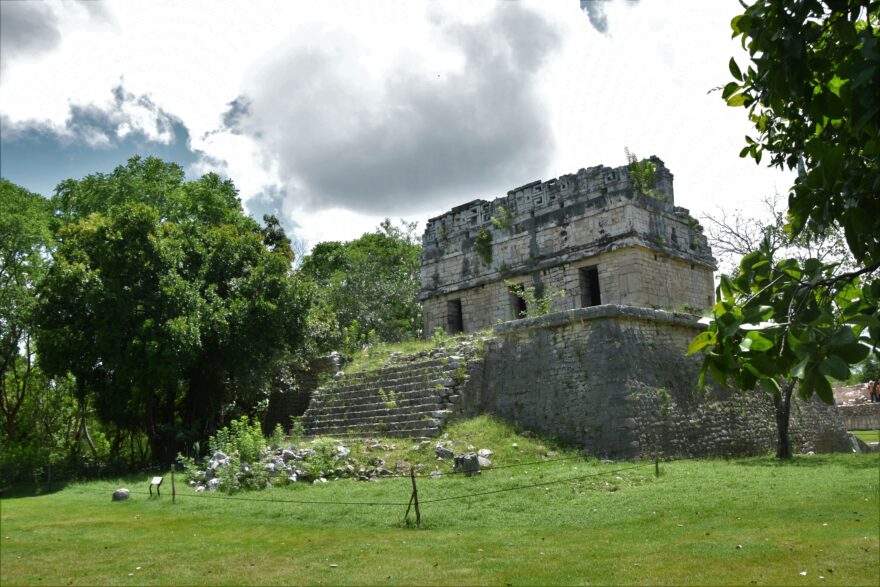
x: 590, y: 234
x: 606, y: 369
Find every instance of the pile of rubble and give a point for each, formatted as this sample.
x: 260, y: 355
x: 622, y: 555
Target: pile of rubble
x: 292, y: 464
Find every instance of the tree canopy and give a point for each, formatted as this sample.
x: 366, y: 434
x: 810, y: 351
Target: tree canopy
x: 812, y: 93
x: 168, y: 304
x: 367, y: 289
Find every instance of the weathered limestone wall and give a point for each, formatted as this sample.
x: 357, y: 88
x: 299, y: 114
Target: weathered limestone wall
x: 615, y: 381
x: 861, y: 416
x: 647, y: 251
x: 634, y: 276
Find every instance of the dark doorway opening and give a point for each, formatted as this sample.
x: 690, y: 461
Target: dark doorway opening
x: 454, y: 319
x: 589, y: 278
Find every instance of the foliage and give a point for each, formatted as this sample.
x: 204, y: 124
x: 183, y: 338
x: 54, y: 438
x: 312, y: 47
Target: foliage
x: 365, y: 290
x: 25, y: 239
x: 643, y: 175
x: 278, y: 436
x: 503, y: 220
x: 778, y: 324
x: 169, y: 306
x: 536, y: 305
x: 389, y: 398
x: 813, y: 94
x: 242, y: 437
x: 483, y: 245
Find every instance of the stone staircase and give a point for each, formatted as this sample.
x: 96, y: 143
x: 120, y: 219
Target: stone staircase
x: 410, y: 397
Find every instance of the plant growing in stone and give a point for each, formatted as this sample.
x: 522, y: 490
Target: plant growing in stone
x: 503, y: 220
x: 643, y: 175
x: 483, y: 245
x: 536, y: 305
x: 389, y: 398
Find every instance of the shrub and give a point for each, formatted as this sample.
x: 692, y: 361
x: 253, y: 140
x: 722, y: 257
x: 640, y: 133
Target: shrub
x: 243, y: 437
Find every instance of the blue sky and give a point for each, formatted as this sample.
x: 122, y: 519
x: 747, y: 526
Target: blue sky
x: 334, y: 115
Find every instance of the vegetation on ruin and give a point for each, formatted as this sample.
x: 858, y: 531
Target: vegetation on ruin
x: 536, y: 305
x: 503, y: 219
x: 643, y: 175
x: 811, y: 90
x: 483, y: 245
x: 739, y: 521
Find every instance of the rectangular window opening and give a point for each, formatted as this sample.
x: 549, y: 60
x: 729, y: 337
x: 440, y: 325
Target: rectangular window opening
x: 454, y: 319
x: 589, y: 278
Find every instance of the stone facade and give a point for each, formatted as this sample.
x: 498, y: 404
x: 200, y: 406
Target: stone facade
x: 615, y: 380
x: 589, y: 235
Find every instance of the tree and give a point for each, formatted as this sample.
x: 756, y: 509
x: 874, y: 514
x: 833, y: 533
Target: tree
x: 812, y: 93
x: 24, y: 246
x: 368, y: 285
x: 169, y: 306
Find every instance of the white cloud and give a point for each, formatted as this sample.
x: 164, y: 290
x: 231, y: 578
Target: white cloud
x: 345, y: 98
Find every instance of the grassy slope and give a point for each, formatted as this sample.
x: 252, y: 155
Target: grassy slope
x: 818, y: 514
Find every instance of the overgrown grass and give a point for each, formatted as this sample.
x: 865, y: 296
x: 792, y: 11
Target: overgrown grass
x: 867, y: 435
x: 744, y: 521
x: 376, y: 355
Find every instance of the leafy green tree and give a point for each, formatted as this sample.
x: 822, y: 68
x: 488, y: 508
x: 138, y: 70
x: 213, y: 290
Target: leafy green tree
x: 25, y: 239
x: 812, y: 93
x: 169, y: 306
x: 367, y: 289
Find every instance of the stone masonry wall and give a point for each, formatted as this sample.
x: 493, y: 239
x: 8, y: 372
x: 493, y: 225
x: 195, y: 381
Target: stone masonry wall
x: 615, y: 381
x: 647, y: 251
x: 632, y: 276
x: 861, y: 416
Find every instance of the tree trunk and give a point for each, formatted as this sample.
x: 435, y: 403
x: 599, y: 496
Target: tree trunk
x: 88, y: 436
x: 782, y: 402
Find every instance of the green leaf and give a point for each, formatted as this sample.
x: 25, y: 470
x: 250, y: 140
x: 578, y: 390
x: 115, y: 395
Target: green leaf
x: 736, y: 100
x: 729, y: 90
x: 734, y: 69
x: 798, y: 371
x: 702, y: 340
x: 823, y: 389
x: 758, y: 342
x: 834, y: 366
x: 852, y: 353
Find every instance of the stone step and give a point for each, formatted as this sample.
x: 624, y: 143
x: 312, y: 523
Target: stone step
x: 420, y: 406
x: 385, y: 372
x: 426, y: 410
x: 380, y: 414
x: 433, y: 376
x: 397, y: 396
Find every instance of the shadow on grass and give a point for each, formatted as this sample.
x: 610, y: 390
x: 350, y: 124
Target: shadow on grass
x: 22, y: 490
x: 848, y: 461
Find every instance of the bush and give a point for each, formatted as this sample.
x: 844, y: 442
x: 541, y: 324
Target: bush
x: 242, y: 436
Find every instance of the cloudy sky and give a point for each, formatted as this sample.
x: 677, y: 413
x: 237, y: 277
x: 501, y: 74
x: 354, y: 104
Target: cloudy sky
x: 336, y: 114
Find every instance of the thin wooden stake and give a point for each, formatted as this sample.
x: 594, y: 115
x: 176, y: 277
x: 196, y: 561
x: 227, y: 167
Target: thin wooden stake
x: 415, y: 496
x: 173, y: 488
x: 656, y: 464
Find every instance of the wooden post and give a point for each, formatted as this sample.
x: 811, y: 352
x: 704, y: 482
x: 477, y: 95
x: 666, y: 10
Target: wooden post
x: 173, y: 488
x: 656, y: 464
x: 415, y: 496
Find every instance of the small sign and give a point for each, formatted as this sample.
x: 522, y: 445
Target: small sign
x: 157, y: 481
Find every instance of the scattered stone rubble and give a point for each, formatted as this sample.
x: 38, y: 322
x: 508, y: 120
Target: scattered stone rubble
x: 299, y: 464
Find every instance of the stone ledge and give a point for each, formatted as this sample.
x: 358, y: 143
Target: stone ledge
x: 598, y: 313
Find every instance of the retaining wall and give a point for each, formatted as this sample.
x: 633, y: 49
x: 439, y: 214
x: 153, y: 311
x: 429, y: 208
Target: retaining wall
x: 861, y: 416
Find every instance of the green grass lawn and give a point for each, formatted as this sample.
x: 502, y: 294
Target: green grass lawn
x: 713, y: 522
x: 867, y: 435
